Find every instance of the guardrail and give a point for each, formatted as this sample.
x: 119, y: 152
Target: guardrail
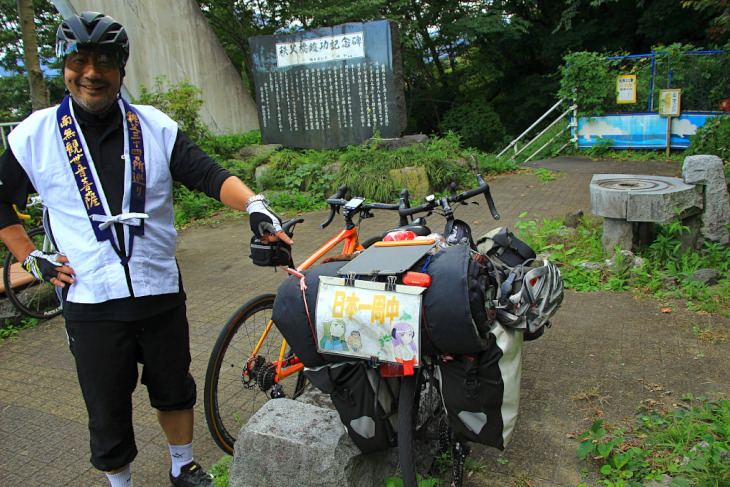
x: 9, y: 126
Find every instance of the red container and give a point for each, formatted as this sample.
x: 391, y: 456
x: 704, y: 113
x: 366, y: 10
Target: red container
x: 725, y: 105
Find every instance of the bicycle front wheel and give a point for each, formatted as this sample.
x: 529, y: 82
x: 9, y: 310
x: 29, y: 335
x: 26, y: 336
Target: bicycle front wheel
x: 238, y: 382
x: 31, y: 296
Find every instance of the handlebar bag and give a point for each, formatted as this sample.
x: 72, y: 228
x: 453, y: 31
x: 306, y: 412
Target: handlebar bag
x: 270, y: 254
x: 365, y: 402
x: 481, y: 393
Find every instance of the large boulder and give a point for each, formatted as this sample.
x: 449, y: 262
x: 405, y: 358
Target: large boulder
x: 292, y: 443
x: 708, y: 171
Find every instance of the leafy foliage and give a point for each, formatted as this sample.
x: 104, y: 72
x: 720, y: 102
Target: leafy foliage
x: 666, y: 260
x: 690, y: 444
x: 11, y: 327
x: 47, y: 20
x: 478, y: 125
x: 219, y: 471
x: 180, y: 101
x: 713, y: 138
x: 366, y: 170
x: 482, y: 68
x: 589, y: 79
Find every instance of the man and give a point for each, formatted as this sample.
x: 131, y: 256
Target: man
x: 105, y: 169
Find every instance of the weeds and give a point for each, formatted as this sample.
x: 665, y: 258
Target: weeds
x: 219, y: 471
x: 11, y: 328
x: 545, y: 175
x: 422, y: 482
x: 667, y: 272
x: 690, y: 444
x: 709, y: 333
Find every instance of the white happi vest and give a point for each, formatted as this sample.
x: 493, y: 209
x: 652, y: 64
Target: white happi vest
x: 38, y: 146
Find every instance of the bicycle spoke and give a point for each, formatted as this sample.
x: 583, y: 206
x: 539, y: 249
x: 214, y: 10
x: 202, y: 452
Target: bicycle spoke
x: 237, y: 384
x: 32, y: 297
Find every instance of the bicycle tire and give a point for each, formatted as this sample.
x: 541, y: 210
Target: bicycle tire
x: 228, y: 401
x: 406, y: 427
x: 36, y: 299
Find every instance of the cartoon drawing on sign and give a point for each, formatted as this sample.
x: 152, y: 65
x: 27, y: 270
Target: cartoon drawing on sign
x: 334, y: 336
x: 406, y: 349
x: 355, y: 341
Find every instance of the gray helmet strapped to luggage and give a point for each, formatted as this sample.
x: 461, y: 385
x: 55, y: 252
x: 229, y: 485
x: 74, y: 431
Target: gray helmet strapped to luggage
x: 536, y: 294
x: 92, y: 29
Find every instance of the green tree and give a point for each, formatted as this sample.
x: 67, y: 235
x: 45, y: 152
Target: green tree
x: 11, y: 44
x: 38, y: 89
x: 234, y: 22
x: 15, y: 93
x: 720, y: 9
x: 498, y: 57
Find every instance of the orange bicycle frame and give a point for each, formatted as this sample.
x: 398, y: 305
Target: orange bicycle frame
x: 285, y: 368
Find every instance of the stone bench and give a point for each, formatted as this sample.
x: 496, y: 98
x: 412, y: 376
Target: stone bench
x: 631, y: 204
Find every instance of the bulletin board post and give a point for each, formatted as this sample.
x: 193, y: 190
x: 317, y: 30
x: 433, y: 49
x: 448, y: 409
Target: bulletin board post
x: 669, y: 106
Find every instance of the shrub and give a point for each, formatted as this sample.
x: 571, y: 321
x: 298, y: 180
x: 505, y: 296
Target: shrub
x: 477, y: 123
x: 181, y: 102
x: 713, y: 138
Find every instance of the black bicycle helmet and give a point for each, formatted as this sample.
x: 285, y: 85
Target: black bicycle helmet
x: 92, y: 29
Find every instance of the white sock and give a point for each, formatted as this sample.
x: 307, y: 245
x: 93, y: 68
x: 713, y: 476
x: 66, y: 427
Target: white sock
x: 121, y: 479
x: 181, y: 455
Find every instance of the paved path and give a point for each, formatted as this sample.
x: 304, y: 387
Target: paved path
x: 611, y: 347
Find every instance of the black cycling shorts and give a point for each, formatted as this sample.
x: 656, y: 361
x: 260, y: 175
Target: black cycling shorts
x: 107, y: 355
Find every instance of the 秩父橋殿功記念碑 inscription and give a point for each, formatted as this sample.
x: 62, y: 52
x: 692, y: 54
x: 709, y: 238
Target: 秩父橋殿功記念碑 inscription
x: 330, y: 87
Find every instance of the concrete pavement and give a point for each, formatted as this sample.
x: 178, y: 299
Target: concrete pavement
x: 605, y: 354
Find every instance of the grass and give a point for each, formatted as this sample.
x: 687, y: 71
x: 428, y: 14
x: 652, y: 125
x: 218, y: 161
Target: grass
x: 299, y: 180
x: 219, y: 471
x: 10, y: 329
x: 690, y: 444
x: 666, y: 261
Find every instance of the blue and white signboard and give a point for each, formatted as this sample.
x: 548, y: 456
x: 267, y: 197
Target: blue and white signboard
x: 640, y: 130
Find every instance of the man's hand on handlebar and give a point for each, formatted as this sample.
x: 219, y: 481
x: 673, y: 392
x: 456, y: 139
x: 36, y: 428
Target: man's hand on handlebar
x: 265, y: 224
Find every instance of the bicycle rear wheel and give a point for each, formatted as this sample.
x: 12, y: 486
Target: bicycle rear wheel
x: 31, y: 296
x: 237, y: 384
x: 406, y: 428
x: 423, y: 432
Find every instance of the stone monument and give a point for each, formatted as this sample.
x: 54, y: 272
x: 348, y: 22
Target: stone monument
x: 330, y: 87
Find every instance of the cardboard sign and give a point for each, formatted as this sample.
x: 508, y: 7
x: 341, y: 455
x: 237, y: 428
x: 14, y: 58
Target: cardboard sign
x: 365, y: 320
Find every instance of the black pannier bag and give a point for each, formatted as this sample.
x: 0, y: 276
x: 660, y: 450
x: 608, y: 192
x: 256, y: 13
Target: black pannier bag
x: 457, y: 310
x: 481, y: 392
x: 367, y: 404
x: 501, y: 244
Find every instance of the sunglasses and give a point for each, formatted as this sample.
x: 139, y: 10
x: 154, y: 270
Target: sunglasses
x: 103, y: 62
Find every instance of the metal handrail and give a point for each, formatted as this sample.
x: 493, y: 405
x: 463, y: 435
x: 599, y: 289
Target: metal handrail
x: 572, y: 108
x: 566, y: 112
x: 10, y: 126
